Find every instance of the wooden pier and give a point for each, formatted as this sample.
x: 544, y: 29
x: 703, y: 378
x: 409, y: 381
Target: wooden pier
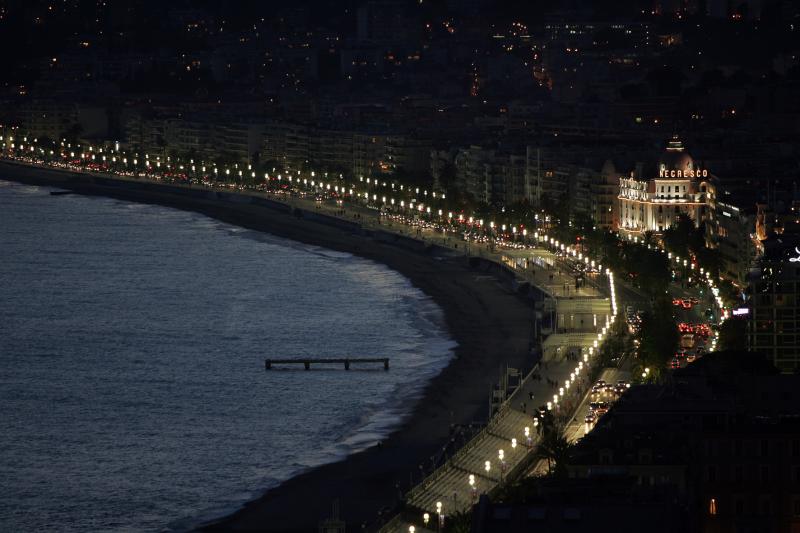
x: 346, y: 361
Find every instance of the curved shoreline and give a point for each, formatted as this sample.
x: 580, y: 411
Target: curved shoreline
x: 490, y: 323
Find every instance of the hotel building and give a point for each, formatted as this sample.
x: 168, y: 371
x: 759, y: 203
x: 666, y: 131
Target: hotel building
x: 653, y: 202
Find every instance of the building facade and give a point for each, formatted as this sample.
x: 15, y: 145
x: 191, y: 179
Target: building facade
x: 774, y: 325
x: 654, y: 202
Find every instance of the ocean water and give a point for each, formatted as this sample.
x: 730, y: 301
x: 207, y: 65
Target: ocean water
x: 133, y: 395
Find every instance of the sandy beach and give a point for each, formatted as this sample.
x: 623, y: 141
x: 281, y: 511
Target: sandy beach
x: 491, y: 324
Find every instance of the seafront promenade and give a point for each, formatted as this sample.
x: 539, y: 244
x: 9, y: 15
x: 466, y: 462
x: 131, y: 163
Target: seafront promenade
x: 449, y: 484
x: 477, y: 468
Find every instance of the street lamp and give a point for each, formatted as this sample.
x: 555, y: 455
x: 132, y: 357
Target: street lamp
x: 473, y: 488
x: 426, y: 518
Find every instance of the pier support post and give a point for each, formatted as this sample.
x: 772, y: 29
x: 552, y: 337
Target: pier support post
x: 307, y: 364
x: 347, y: 364
x: 386, y: 364
x: 267, y: 364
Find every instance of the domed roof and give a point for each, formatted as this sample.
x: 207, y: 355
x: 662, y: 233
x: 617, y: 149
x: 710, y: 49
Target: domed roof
x: 675, y: 158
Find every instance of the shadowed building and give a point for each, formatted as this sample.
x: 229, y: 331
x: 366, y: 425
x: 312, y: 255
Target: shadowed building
x: 774, y: 326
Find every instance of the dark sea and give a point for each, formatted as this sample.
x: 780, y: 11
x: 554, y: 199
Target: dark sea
x: 133, y: 395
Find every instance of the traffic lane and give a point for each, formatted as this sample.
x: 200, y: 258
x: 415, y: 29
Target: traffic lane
x: 577, y: 427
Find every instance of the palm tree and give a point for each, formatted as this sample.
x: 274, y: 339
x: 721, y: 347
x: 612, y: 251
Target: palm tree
x: 554, y: 448
x: 460, y: 522
x: 648, y: 238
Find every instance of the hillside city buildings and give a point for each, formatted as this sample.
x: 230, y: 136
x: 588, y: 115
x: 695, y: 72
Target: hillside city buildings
x: 575, y: 114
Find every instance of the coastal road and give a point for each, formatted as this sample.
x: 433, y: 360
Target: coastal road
x: 576, y: 428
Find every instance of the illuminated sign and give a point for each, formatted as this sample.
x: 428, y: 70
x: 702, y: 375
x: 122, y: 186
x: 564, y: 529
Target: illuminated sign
x: 688, y: 173
x: 795, y: 259
x: 741, y: 311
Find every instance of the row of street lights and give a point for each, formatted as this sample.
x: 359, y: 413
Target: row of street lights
x: 574, y: 375
x: 541, y: 238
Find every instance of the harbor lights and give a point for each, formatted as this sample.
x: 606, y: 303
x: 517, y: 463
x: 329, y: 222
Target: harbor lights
x: 513, y: 444
x: 487, y: 466
x: 502, y: 456
x: 426, y: 518
x: 528, y: 433
x: 473, y: 489
x: 439, y: 513
x: 411, y: 529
